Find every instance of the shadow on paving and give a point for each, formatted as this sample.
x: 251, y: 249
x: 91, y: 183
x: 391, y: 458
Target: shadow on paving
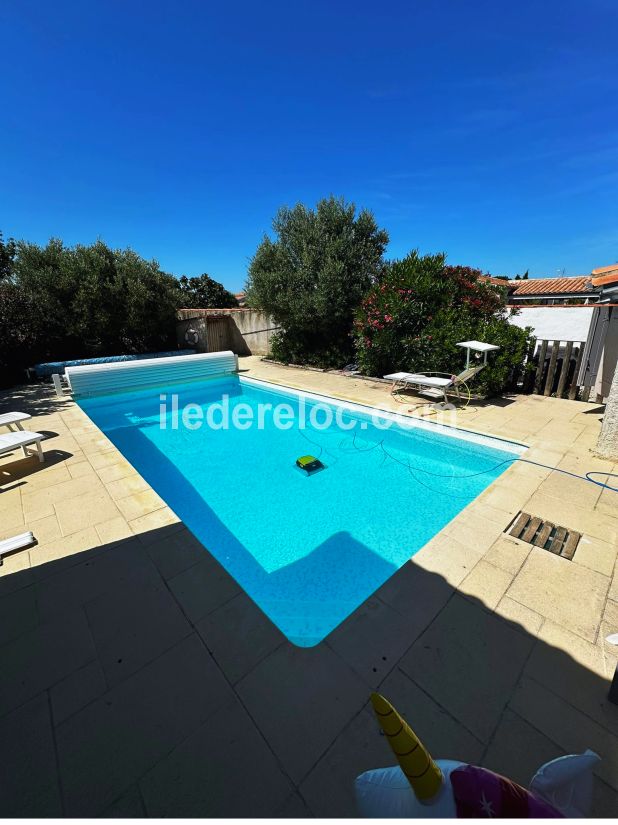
x: 35, y: 399
x: 138, y: 679
x: 17, y: 473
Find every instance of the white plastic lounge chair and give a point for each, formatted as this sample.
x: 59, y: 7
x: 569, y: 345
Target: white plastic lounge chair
x: 16, y: 543
x: 23, y: 438
x: 443, y: 383
x: 433, y: 382
x: 14, y: 419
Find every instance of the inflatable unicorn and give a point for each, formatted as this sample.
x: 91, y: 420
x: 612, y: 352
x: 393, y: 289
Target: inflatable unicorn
x: 427, y: 788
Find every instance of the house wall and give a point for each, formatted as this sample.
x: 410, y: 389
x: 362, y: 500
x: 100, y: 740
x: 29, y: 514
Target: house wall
x: 249, y: 330
x: 556, y: 323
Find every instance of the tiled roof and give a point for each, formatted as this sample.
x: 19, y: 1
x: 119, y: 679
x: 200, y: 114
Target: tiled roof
x: 605, y: 275
x: 551, y: 286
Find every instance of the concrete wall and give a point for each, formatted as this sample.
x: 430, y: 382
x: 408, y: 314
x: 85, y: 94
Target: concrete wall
x: 249, y: 330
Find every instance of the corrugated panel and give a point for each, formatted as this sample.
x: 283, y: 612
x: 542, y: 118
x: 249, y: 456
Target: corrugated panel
x: 122, y: 377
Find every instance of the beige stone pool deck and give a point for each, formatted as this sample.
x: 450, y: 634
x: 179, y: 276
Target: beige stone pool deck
x: 138, y: 679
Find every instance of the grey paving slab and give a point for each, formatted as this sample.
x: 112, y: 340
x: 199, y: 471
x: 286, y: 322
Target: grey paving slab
x: 567, y: 726
x: 132, y: 624
x: 29, y: 784
x: 175, y: 551
x: 564, y: 592
x: 373, y: 639
x: 301, y: 698
x: 129, y: 805
x: 17, y: 580
x: 111, y: 743
x: 469, y: 661
x: 42, y: 657
x: 441, y: 733
x: 239, y: 636
x: 294, y: 807
x: 202, y: 588
x: 518, y: 750
x: 223, y: 769
x: 95, y: 574
x: 415, y: 594
x: 76, y: 691
x: 582, y: 686
x: 18, y: 613
x: 329, y: 789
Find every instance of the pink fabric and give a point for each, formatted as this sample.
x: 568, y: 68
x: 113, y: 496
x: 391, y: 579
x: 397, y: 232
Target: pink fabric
x: 482, y: 793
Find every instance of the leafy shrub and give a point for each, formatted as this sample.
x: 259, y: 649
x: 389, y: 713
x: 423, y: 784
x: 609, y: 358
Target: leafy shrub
x: 59, y: 302
x: 204, y: 292
x: 312, y: 276
x: 413, y: 318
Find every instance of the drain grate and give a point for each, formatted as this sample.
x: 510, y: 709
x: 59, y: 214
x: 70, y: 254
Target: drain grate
x: 533, y: 530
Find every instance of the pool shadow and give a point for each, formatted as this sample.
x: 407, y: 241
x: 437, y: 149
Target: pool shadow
x: 306, y: 598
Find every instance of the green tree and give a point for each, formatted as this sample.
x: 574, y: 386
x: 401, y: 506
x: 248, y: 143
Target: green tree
x: 311, y: 277
x: 61, y: 302
x: 204, y: 292
x: 7, y: 257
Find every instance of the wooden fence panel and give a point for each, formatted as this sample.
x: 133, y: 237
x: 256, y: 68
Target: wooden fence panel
x: 564, y: 372
x: 556, y: 373
x: 541, y: 366
x: 578, y: 361
x: 551, y: 372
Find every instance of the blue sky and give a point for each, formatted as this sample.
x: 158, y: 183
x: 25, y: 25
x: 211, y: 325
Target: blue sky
x: 487, y: 130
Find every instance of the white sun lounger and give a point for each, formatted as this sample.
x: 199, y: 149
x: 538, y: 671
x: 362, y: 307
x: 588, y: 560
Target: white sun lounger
x: 13, y: 418
x: 16, y: 543
x: 22, y: 438
x: 441, y: 384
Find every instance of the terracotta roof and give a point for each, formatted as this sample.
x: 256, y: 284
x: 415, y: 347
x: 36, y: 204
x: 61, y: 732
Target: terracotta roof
x: 551, y: 286
x: 605, y: 275
x: 605, y: 270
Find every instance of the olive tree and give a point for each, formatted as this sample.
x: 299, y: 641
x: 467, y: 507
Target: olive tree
x: 311, y: 276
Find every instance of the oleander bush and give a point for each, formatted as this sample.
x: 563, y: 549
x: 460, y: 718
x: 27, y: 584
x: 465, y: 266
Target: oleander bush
x: 413, y: 317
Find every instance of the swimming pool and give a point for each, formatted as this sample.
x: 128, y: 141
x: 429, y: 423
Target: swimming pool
x: 308, y: 549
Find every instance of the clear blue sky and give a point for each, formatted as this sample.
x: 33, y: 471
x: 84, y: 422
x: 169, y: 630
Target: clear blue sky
x: 488, y: 130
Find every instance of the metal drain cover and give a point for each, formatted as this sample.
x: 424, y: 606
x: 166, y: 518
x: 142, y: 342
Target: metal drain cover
x: 559, y: 540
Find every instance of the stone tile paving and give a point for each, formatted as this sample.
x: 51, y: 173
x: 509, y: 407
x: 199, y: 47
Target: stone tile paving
x: 138, y: 679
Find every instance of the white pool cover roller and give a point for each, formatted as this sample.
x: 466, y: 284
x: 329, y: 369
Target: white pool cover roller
x: 98, y: 379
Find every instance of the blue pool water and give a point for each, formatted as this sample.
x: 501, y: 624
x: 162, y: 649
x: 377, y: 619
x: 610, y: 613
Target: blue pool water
x: 307, y: 549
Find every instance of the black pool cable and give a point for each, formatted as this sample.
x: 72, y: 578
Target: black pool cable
x: 408, y: 466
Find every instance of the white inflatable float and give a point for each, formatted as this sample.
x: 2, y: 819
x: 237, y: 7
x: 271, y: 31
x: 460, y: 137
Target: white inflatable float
x: 426, y: 788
